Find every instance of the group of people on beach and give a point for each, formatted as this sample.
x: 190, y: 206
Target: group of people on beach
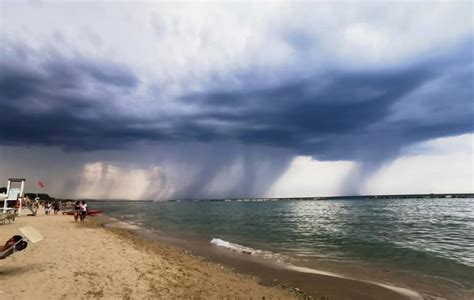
x: 54, y: 206
x: 80, y: 210
x: 78, y: 207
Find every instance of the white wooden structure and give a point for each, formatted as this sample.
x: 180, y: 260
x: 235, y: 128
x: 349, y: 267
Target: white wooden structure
x: 14, y: 194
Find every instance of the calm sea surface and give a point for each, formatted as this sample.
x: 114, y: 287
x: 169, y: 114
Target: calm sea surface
x: 434, y: 237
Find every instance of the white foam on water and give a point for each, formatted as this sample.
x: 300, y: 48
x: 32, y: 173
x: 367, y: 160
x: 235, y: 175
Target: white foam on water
x: 247, y: 250
x: 233, y: 247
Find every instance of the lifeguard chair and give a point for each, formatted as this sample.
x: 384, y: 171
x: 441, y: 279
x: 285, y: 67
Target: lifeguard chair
x: 14, y: 194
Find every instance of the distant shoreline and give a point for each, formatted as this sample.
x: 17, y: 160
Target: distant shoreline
x: 315, y: 198
x: 375, y: 197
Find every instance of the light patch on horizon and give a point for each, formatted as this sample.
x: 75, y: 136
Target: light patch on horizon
x: 444, y: 165
x: 307, y: 177
x: 107, y: 181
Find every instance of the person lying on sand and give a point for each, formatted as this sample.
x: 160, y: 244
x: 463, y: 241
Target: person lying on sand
x: 15, y: 243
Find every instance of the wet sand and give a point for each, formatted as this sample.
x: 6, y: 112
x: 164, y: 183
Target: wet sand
x: 305, y: 282
x: 110, y: 260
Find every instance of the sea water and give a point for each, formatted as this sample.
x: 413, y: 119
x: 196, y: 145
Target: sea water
x: 430, y: 237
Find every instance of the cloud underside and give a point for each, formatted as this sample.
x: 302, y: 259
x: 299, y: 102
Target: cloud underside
x: 82, y: 105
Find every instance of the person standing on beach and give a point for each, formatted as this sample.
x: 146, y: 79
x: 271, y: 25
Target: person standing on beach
x: 83, y: 208
x: 47, y: 208
x: 56, y: 207
x: 77, y: 210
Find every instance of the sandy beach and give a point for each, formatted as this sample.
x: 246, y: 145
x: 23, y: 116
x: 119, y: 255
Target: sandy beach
x: 83, y: 262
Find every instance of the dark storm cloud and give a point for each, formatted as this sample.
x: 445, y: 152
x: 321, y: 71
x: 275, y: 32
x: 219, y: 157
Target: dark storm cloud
x: 346, y: 115
x: 66, y: 103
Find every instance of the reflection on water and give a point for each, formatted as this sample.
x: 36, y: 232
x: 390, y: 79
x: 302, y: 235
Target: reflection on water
x: 432, y: 236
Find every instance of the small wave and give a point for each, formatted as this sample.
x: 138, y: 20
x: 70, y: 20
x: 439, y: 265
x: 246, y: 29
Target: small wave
x: 250, y: 251
x: 233, y: 247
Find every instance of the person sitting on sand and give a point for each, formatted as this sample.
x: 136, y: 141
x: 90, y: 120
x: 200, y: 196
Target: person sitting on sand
x: 15, y: 243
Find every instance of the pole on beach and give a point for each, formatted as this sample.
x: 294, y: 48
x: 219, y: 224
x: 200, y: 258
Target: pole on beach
x: 40, y: 186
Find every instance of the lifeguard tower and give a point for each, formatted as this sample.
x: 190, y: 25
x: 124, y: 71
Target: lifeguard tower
x: 14, y: 194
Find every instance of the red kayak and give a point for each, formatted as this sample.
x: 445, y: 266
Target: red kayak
x: 90, y: 212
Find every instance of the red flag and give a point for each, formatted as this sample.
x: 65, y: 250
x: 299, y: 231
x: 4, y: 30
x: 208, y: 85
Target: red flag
x: 41, y: 184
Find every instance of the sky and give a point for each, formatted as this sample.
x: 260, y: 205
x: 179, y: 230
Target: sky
x: 174, y: 100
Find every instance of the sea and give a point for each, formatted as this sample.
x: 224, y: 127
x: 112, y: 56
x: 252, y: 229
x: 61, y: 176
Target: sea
x: 406, y: 240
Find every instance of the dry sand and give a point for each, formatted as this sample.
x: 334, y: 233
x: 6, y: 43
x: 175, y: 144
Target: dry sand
x: 77, y: 261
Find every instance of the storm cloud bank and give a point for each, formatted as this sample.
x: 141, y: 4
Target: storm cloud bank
x: 82, y: 105
x: 246, y: 123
